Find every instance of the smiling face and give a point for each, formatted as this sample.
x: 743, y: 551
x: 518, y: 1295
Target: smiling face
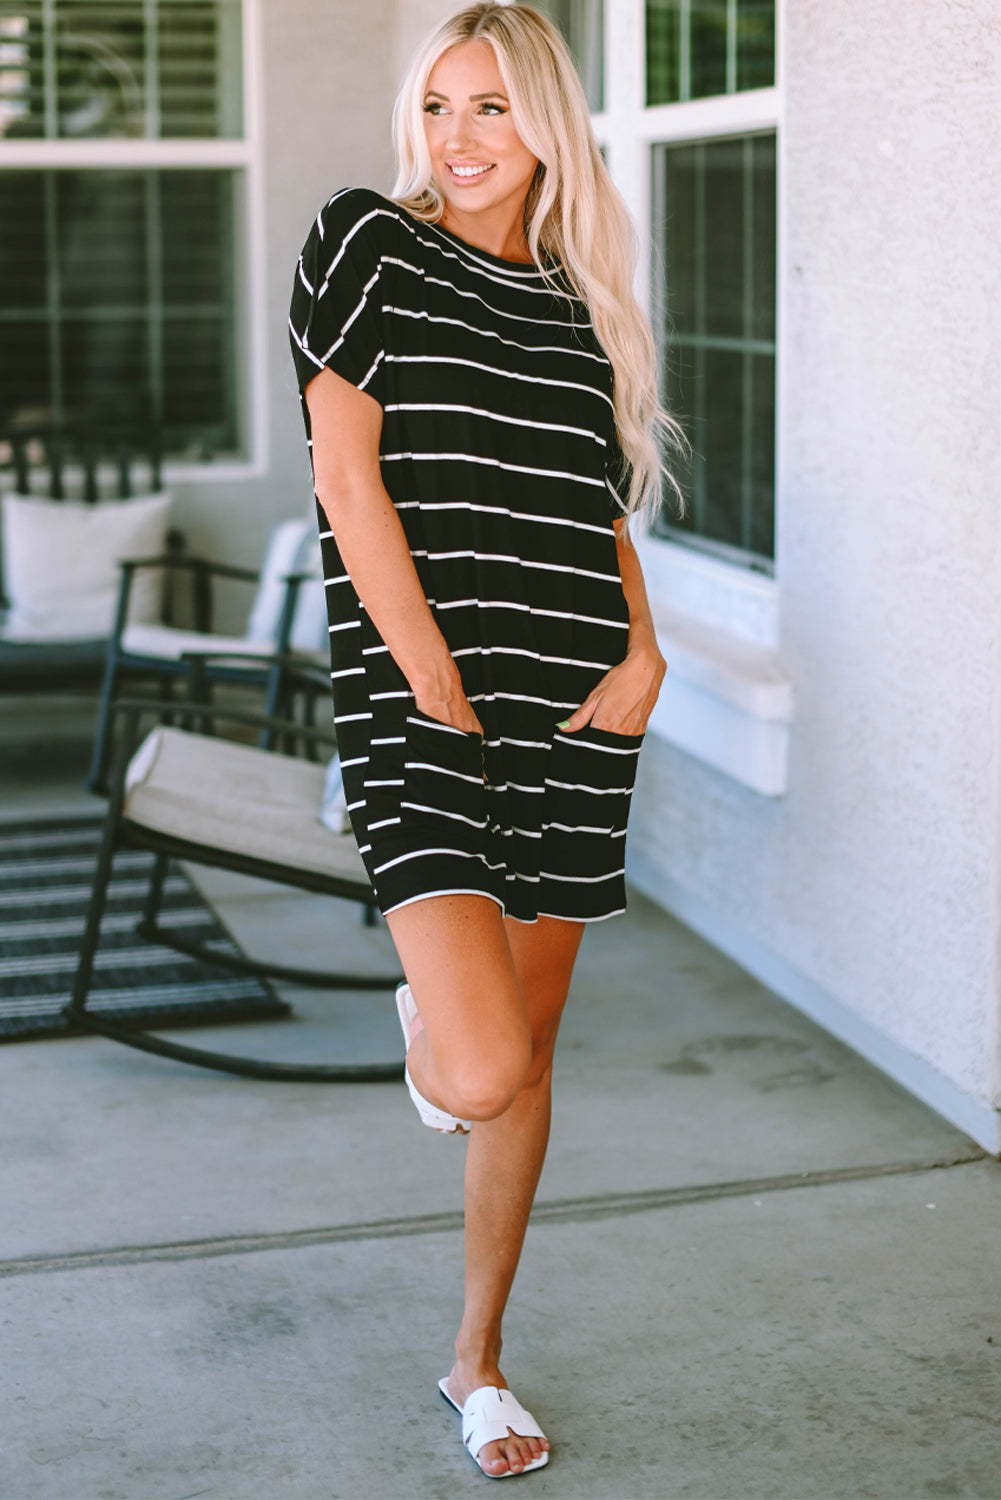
x: 481, y: 165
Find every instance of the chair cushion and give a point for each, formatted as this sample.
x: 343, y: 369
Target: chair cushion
x: 167, y: 643
x: 60, y: 564
x: 238, y: 799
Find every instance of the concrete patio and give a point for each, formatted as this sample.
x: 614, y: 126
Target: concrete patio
x: 758, y: 1268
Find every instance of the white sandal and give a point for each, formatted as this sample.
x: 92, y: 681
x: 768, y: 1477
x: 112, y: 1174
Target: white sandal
x: 438, y: 1119
x: 490, y: 1415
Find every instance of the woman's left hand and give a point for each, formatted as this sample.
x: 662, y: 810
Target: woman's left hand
x: 623, y: 700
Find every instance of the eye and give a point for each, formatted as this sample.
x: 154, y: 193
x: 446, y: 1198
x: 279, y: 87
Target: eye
x: 494, y: 109
x: 433, y: 107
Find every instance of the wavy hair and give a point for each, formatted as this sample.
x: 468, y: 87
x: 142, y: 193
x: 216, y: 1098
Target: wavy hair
x: 575, y: 221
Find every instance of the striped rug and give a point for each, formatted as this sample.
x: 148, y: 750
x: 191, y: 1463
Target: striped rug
x: 46, y: 870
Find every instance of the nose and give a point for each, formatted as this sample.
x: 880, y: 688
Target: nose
x: 461, y: 133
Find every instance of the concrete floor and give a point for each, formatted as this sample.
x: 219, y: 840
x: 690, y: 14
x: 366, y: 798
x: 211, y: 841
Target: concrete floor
x: 758, y: 1268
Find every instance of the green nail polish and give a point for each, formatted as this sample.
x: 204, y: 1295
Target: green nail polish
x: 564, y: 725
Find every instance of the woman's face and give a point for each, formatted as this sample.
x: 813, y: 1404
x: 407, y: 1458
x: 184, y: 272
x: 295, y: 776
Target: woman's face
x: 479, y: 161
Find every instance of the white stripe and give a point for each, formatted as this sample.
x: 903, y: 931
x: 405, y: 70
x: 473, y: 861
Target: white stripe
x: 112, y: 922
x: 492, y: 463
x: 472, y: 364
x: 127, y: 860
x: 87, y: 835
x: 518, y: 698
x: 65, y: 895
x: 514, y: 317
x: 347, y: 625
x: 426, y: 853
x: 120, y: 999
x: 607, y: 833
x: 560, y: 661
x: 489, y: 333
x: 594, y: 791
x: 495, y: 416
x: 458, y: 890
x: 503, y: 510
x: 147, y: 957
x: 348, y: 672
x: 522, y: 562
x: 383, y: 823
x: 582, y: 879
x: 529, y: 609
x: 439, y: 812
x: 571, y: 739
x: 423, y: 765
x: 349, y: 718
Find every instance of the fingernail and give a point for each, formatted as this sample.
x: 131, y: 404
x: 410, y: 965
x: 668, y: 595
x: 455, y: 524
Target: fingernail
x: 564, y: 725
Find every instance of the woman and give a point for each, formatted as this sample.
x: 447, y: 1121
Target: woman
x: 479, y: 388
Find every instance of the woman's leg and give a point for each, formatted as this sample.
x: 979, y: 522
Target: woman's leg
x: 487, y: 987
x: 473, y: 1050
x: 504, y: 1159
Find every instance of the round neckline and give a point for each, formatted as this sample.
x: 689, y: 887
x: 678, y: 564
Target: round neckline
x: 525, y: 267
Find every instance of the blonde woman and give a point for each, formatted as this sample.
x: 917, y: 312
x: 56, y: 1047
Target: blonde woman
x: 479, y: 388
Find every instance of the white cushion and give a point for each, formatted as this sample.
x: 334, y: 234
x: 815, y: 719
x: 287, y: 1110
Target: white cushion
x: 60, y: 564
x: 168, y: 642
x: 209, y: 791
x: 282, y: 557
x: 334, y: 804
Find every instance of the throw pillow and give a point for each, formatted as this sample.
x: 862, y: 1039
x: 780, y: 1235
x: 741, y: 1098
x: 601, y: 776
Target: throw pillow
x: 60, y: 564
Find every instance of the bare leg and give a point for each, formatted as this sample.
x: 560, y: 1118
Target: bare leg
x: 490, y: 994
x: 503, y: 1162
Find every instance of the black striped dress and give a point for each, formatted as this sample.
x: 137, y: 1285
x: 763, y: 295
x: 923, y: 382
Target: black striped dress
x: 498, y: 450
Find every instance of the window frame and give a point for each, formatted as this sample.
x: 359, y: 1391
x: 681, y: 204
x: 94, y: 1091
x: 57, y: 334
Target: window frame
x: 244, y: 156
x: 728, y: 594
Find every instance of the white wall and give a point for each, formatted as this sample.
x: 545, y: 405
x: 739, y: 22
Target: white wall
x: 873, y: 882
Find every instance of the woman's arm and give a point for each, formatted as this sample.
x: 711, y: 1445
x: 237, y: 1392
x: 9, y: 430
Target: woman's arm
x: 346, y: 426
x: 623, y: 700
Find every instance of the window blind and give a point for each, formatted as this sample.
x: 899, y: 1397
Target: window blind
x: 117, y: 304
x: 99, y: 69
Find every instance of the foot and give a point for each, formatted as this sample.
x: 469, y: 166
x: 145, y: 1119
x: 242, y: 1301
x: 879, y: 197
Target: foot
x: 510, y: 1455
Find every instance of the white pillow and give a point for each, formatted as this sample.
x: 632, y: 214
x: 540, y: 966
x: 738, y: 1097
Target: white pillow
x: 285, y: 546
x: 333, y: 804
x: 60, y: 564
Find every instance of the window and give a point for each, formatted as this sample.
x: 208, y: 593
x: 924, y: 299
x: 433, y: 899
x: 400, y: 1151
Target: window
x: 582, y: 22
x: 715, y: 229
x: 118, y: 250
x: 697, y: 48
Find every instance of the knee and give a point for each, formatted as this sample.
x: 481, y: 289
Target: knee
x: 488, y: 1085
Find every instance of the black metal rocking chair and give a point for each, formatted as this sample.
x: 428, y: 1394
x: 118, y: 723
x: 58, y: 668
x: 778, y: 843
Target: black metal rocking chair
x: 186, y: 793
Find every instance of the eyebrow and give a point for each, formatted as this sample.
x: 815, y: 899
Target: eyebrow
x: 473, y: 98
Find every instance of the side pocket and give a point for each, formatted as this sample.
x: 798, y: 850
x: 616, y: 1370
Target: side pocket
x: 443, y: 776
x: 590, y: 781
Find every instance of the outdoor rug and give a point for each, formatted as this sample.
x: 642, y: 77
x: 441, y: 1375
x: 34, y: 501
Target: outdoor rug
x: 46, y: 869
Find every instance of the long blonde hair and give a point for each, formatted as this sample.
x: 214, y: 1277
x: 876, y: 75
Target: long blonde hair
x: 575, y: 221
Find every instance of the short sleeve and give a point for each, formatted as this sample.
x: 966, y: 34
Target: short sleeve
x: 618, y: 478
x: 336, y: 314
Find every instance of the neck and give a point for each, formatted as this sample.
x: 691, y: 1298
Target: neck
x: 497, y: 232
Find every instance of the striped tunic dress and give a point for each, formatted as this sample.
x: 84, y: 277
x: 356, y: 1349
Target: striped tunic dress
x: 498, y: 450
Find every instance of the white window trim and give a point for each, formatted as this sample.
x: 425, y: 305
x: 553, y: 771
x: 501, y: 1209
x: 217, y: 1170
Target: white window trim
x: 246, y: 156
x: 727, y: 699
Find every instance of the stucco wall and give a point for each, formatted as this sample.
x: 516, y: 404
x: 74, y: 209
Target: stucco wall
x: 876, y: 875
